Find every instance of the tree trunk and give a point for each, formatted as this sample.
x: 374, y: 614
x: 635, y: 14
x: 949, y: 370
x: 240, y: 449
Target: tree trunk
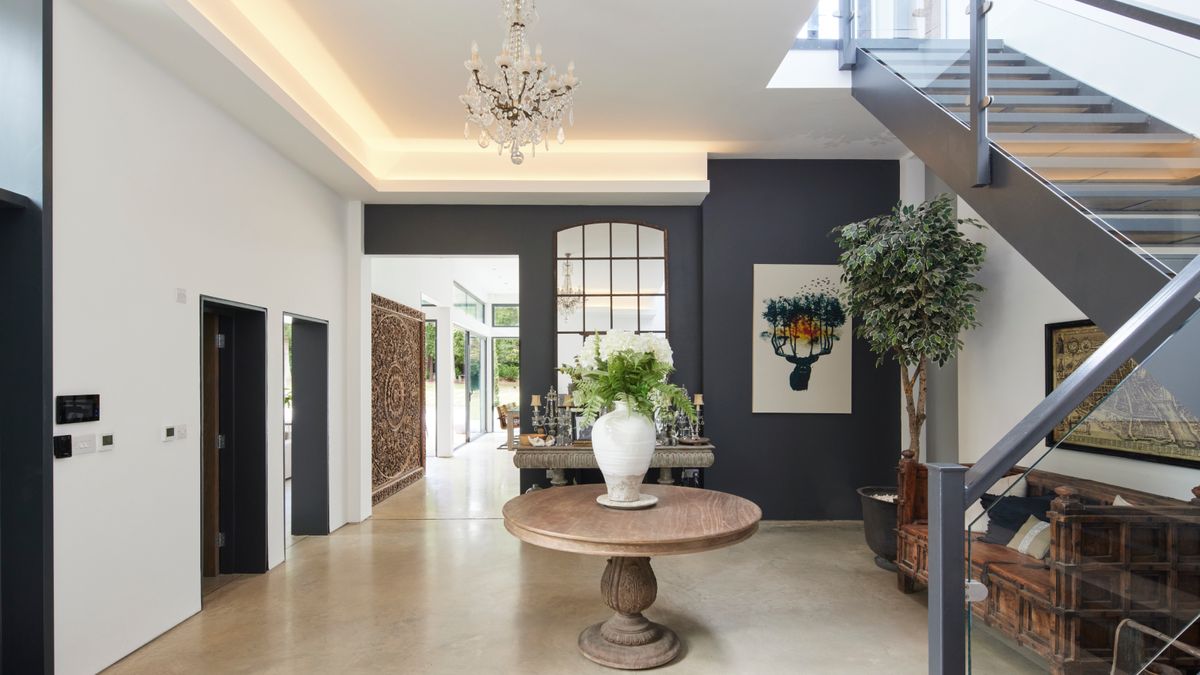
x: 923, y: 369
x: 907, y: 381
x: 915, y: 391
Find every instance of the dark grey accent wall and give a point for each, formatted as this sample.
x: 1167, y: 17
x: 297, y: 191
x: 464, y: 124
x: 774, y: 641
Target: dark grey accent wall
x: 528, y: 231
x: 782, y: 211
x: 26, y: 475
x: 757, y: 211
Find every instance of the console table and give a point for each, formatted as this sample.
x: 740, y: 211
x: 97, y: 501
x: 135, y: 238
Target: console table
x: 556, y: 459
x: 685, y: 520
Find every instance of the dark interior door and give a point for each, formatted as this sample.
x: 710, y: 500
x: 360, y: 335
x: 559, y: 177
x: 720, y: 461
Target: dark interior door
x: 235, y: 443
x: 310, y: 427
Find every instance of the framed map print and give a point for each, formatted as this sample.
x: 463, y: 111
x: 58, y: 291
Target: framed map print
x: 1132, y: 415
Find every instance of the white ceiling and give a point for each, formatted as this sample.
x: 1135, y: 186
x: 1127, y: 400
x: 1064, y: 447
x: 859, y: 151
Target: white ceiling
x: 491, y: 278
x: 676, y: 70
x: 689, y: 76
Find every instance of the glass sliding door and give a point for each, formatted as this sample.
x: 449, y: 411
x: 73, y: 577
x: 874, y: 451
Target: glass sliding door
x: 460, y: 386
x: 476, y: 404
x: 470, y: 398
x: 506, y: 373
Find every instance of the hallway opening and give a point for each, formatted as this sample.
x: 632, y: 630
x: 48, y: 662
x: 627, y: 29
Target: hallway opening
x: 470, y: 367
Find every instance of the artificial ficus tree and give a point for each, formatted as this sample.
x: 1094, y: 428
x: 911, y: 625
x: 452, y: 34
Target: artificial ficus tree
x: 910, y: 277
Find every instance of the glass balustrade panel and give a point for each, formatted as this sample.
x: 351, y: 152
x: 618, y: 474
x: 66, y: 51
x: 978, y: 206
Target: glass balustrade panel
x: 1104, y: 109
x: 924, y: 41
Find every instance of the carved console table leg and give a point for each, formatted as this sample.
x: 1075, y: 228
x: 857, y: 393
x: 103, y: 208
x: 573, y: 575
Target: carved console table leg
x: 628, y: 640
x: 664, y: 476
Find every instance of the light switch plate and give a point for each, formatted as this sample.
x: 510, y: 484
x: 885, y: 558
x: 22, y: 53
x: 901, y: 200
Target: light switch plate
x: 168, y: 434
x: 105, y: 442
x: 180, y: 431
x: 83, y: 444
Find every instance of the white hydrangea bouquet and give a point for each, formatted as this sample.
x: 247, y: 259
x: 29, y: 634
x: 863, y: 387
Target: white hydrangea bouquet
x: 625, y: 367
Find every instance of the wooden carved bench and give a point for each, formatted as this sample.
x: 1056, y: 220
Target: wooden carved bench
x: 1106, y: 563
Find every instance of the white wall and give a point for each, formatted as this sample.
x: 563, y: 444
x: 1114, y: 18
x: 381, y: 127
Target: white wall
x: 1149, y: 68
x: 912, y: 191
x: 1001, y: 372
x: 155, y: 189
x: 358, y: 367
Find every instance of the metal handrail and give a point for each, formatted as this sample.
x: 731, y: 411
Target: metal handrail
x: 846, y: 39
x: 979, y: 98
x: 1153, y: 16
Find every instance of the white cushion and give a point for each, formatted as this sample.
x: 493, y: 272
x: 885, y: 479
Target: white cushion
x: 1033, y: 538
x: 1120, y: 501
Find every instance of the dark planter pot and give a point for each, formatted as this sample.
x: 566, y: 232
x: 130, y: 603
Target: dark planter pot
x: 879, y: 524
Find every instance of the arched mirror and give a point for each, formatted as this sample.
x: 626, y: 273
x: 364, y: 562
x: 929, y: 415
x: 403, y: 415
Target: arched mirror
x: 611, y: 276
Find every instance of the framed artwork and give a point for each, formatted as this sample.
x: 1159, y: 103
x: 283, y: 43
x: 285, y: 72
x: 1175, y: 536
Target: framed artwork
x: 800, y: 359
x: 1135, y: 418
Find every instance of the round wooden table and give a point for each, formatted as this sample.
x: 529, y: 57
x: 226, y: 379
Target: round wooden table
x: 685, y: 520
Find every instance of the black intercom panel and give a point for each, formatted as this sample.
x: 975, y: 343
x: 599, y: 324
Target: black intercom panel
x: 76, y: 408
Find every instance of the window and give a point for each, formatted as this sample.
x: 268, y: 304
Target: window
x: 468, y: 304
x: 611, y: 276
x: 506, y: 316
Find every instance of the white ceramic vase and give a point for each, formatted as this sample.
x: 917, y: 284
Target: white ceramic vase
x: 623, y: 442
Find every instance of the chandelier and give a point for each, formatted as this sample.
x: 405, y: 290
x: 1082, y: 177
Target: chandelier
x: 523, y: 102
x: 568, y: 296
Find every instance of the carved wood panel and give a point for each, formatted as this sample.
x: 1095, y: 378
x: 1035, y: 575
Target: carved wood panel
x: 397, y: 397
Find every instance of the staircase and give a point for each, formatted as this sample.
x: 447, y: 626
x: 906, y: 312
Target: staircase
x: 1104, y: 200
x: 1130, y: 172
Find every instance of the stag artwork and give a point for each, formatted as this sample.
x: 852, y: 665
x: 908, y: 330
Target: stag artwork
x: 804, y: 327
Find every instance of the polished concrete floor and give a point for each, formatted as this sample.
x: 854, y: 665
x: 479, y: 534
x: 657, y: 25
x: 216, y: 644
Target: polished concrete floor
x: 434, y: 584
x: 474, y: 483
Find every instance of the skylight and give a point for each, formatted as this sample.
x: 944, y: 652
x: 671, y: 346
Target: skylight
x: 823, y: 24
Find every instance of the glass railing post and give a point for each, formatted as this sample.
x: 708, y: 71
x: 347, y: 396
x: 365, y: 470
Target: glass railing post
x: 947, y: 570
x: 846, y: 41
x: 979, y: 100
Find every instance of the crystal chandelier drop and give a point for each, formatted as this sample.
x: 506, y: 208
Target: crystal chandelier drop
x: 568, y: 295
x: 523, y: 102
